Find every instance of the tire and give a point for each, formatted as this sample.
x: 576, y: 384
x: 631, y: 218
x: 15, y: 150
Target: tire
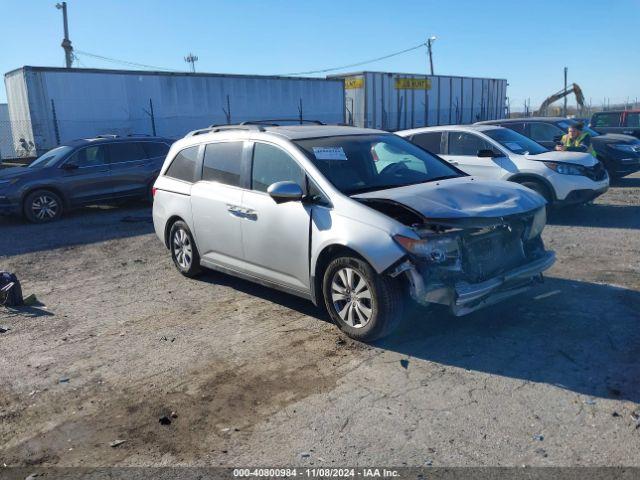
x: 42, y: 206
x: 373, y: 308
x: 183, y: 250
x: 540, y: 189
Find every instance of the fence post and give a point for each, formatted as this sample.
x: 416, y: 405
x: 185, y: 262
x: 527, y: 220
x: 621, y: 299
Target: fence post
x: 153, y: 118
x: 300, y: 110
x: 55, y: 122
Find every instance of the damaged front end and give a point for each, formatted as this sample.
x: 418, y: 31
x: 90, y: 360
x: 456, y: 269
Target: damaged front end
x: 469, y: 263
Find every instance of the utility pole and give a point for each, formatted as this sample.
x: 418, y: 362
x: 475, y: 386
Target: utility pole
x: 66, y: 43
x: 564, y: 111
x: 430, y: 41
x: 191, y: 59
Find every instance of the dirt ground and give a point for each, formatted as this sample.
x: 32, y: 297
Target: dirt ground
x: 256, y: 377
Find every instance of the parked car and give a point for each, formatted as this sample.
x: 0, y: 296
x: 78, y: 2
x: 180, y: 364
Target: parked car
x: 309, y: 210
x: 492, y: 152
x: 626, y: 122
x: 620, y: 154
x: 88, y: 171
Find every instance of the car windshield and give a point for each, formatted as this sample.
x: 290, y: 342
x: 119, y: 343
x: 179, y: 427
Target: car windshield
x: 364, y: 163
x: 515, y: 142
x: 51, y: 157
x: 565, y: 124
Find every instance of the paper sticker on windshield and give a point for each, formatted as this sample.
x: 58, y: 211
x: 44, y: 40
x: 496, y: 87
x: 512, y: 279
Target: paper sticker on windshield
x: 329, y: 153
x: 513, y: 146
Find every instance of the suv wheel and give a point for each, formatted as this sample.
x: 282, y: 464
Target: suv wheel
x: 183, y: 250
x: 540, y: 189
x: 42, y: 206
x: 364, y: 305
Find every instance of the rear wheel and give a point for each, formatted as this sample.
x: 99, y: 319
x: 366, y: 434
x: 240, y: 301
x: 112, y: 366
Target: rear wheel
x: 183, y: 250
x: 362, y: 303
x: 42, y: 206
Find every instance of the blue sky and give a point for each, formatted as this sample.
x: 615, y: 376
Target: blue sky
x: 527, y: 43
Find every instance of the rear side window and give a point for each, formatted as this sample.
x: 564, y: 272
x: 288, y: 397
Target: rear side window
x: 126, y: 152
x: 606, y: 120
x: 222, y: 162
x: 183, y: 166
x: 430, y: 141
x: 633, y: 120
x: 156, y: 149
x: 93, y: 156
x: 271, y: 165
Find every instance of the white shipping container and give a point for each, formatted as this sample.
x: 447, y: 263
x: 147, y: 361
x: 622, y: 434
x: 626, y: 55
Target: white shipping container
x: 397, y: 101
x: 56, y: 105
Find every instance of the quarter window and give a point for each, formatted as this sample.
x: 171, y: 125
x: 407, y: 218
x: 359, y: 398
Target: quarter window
x: 222, y: 162
x: 183, y: 166
x: 126, y: 152
x: 466, y: 144
x: 271, y: 165
x: 430, y: 141
x: 89, y: 157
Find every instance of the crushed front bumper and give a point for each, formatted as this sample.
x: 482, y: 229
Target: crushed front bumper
x: 463, y: 297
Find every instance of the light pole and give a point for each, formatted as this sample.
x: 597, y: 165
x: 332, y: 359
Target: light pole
x: 66, y: 43
x: 191, y: 59
x: 430, y: 41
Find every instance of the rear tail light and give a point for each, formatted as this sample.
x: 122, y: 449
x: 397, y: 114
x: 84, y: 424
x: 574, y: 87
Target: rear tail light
x: 153, y: 191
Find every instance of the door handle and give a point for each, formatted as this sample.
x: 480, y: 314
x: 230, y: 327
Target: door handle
x: 235, y: 210
x: 242, y: 212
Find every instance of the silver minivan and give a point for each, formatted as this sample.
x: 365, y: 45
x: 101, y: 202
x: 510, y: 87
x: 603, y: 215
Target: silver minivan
x: 357, y: 220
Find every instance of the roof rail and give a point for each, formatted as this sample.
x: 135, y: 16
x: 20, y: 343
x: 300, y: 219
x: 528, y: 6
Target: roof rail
x: 138, y: 135
x: 220, y: 128
x: 107, y: 135
x: 275, y: 122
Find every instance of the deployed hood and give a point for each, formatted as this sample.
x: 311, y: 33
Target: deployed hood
x: 616, y: 138
x: 579, y: 158
x: 461, y: 198
x: 12, y: 172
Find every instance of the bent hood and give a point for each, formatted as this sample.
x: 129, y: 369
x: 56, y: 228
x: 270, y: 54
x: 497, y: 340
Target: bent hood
x: 579, y: 158
x: 464, y: 197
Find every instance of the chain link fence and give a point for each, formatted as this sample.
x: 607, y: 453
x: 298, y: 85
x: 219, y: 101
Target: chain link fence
x: 16, y: 144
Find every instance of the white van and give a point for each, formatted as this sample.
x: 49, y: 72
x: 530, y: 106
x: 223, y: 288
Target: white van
x: 497, y: 153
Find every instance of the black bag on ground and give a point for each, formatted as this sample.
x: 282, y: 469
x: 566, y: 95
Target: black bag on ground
x: 10, y: 290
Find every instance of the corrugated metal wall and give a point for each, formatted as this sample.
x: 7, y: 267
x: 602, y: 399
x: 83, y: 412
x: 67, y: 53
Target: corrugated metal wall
x: 393, y: 101
x: 90, y: 102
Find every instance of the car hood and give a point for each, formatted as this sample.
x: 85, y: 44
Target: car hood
x: 12, y: 172
x: 461, y: 198
x: 616, y: 138
x: 579, y: 158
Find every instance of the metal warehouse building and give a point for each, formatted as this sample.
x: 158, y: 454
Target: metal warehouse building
x: 396, y: 101
x: 49, y: 106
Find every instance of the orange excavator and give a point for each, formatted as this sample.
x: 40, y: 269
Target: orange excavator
x: 574, y: 88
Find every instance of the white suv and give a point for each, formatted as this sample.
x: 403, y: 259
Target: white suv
x: 491, y: 152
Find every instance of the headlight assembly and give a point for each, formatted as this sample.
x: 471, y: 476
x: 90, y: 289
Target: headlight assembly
x: 566, y: 168
x: 435, y: 249
x: 538, y: 223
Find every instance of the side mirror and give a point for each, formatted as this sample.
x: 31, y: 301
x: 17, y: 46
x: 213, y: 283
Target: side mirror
x: 287, y: 191
x: 69, y: 166
x: 486, y: 153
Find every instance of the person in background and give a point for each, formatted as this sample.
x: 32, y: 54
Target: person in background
x: 575, y: 140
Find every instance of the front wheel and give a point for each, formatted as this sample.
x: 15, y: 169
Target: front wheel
x: 42, y: 206
x: 183, y: 250
x: 362, y: 303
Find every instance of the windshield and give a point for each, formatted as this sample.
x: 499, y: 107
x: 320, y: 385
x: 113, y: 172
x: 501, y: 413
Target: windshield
x: 364, y: 163
x: 565, y: 124
x: 515, y: 142
x: 51, y: 157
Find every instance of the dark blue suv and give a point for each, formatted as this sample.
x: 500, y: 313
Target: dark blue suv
x: 81, y: 172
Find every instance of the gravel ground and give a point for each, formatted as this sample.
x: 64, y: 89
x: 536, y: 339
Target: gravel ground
x: 256, y: 377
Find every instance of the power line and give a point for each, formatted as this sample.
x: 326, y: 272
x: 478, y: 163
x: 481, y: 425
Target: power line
x: 325, y: 70
x: 123, y: 62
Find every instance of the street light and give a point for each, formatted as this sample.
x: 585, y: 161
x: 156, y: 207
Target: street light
x: 66, y: 43
x: 430, y: 41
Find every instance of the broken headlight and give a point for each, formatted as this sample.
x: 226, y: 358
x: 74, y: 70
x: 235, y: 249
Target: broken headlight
x: 538, y: 223
x: 435, y: 249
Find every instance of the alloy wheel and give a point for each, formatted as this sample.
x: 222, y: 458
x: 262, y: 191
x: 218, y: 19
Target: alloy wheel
x: 351, y: 296
x: 45, y: 207
x: 182, y: 249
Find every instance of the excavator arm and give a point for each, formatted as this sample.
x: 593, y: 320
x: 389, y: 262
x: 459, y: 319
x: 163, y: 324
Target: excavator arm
x: 574, y: 88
